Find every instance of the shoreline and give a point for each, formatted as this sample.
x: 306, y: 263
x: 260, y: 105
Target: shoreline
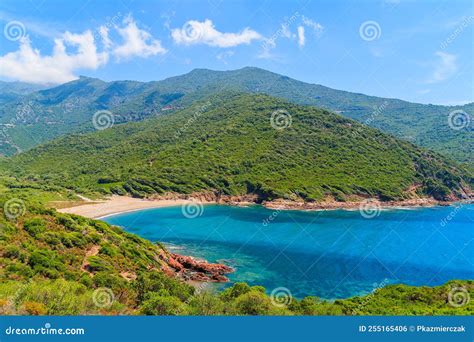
x: 197, y: 271
x: 116, y: 205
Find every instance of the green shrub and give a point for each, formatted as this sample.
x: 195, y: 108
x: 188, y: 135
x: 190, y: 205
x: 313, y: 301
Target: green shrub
x: 34, y: 226
x: 19, y: 269
x: 235, y: 291
x: 252, y: 303
x: 97, y: 264
x: 161, y: 304
x: 46, y: 261
x: 12, y: 252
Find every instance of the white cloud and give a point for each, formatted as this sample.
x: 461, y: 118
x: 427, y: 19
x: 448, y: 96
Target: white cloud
x: 301, y: 37
x: 74, y: 52
x: 196, y: 32
x: 137, y: 42
x: 444, y: 68
x: 28, y: 65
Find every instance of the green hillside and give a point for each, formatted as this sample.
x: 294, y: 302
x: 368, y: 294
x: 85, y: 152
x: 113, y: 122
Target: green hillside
x: 47, y: 114
x: 58, y: 264
x: 227, y: 144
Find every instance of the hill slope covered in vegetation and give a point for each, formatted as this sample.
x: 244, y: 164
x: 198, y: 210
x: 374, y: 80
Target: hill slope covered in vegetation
x: 44, y: 115
x: 59, y: 264
x: 237, y: 144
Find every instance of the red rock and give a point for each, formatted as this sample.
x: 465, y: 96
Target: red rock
x: 188, y: 268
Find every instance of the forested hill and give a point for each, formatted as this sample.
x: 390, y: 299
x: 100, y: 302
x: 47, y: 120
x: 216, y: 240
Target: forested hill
x: 244, y: 144
x: 44, y: 115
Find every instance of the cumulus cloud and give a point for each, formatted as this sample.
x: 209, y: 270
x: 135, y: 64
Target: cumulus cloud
x: 28, y: 65
x: 136, y: 42
x: 74, y: 52
x: 301, y: 37
x: 195, y: 32
x: 445, y: 67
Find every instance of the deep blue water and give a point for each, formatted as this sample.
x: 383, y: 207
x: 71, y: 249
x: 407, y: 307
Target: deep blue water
x: 329, y: 254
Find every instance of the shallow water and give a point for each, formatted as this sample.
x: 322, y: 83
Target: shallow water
x: 329, y: 254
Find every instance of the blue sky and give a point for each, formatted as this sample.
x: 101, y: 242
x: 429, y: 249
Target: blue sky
x: 421, y: 51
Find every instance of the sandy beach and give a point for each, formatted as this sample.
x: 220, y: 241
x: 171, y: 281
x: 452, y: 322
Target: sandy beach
x: 118, y: 204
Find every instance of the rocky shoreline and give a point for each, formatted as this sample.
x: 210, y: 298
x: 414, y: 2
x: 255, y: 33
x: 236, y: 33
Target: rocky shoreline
x: 189, y: 268
x: 327, y: 204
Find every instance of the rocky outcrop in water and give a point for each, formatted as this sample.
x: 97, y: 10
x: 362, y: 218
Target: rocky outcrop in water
x: 189, y: 268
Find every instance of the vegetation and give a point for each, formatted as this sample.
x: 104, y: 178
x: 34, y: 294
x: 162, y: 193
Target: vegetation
x: 227, y: 145
x: 47, y: 114
x: 43, y: 256
x: 59, y: 264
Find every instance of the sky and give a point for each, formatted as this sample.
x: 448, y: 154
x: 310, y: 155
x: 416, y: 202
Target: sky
x: 419, y: 51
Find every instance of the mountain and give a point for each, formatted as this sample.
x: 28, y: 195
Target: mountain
x: 229, y: 143
x: 47, y: 114
x: 239, y: 144
x: 10, y: 91
x: 20, y: 88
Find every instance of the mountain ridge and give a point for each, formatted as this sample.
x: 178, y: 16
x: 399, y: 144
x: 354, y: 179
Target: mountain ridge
x: 69, y: 108
x: 231, y: 144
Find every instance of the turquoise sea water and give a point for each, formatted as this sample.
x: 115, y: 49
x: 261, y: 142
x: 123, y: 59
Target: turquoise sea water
x: 329, y: 254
